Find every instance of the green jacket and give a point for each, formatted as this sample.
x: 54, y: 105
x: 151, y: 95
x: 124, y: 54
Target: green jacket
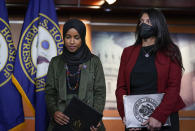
x: 92, y: 88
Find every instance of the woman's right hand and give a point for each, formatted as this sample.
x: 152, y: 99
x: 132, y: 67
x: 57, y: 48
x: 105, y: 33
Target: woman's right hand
x: 60, y: 118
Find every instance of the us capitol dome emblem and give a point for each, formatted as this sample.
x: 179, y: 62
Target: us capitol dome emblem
x: 143, y: 108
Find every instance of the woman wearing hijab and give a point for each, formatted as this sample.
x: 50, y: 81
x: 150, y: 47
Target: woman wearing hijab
x: 75, y: 73
x: 152, y: 65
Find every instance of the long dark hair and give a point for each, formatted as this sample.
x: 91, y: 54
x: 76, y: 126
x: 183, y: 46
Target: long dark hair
x: 163, y: 41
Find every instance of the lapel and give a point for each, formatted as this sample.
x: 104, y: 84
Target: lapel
x: 62, y: 80
x: 132, y: 57
x: 162, y: 69
x: 83, y: 80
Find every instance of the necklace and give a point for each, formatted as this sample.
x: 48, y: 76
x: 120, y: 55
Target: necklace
x: 76, y: 75
x: 147, y: 54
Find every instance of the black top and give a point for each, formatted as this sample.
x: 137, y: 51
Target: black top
x: 71, y: 81
x: 143, y: 77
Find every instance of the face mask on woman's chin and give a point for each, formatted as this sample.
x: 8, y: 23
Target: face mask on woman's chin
x: 146, y: 31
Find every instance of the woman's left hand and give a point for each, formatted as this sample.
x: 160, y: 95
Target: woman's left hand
x: 152, y: 124
x: 92, y: 128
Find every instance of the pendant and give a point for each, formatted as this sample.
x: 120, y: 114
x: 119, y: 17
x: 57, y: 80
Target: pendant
x: 147, y: 55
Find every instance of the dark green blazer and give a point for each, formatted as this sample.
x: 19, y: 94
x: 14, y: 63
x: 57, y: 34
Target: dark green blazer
x: 92, y: 88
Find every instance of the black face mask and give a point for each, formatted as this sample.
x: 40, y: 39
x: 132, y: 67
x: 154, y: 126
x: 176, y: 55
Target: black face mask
x: 146, y: 31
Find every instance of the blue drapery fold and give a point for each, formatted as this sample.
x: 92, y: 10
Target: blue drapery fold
x: 40, y: 40
x: 11, y: 109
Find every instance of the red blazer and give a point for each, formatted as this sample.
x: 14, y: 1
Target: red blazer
x: 169, y: 79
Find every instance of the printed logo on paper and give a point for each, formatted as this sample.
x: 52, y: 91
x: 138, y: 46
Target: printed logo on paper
x: 143, y: 108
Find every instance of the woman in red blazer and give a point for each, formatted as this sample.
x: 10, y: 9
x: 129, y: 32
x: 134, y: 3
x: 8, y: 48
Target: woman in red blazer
x: 152, y: 65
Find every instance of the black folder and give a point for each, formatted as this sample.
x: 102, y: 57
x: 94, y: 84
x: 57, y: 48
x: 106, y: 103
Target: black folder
x: 81, y: 117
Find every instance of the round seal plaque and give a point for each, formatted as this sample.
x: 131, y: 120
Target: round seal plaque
x: 143, y: 108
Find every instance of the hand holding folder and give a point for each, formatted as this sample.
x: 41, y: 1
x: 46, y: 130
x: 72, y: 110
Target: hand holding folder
x: 138, y: 108
x: 82, y: 117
